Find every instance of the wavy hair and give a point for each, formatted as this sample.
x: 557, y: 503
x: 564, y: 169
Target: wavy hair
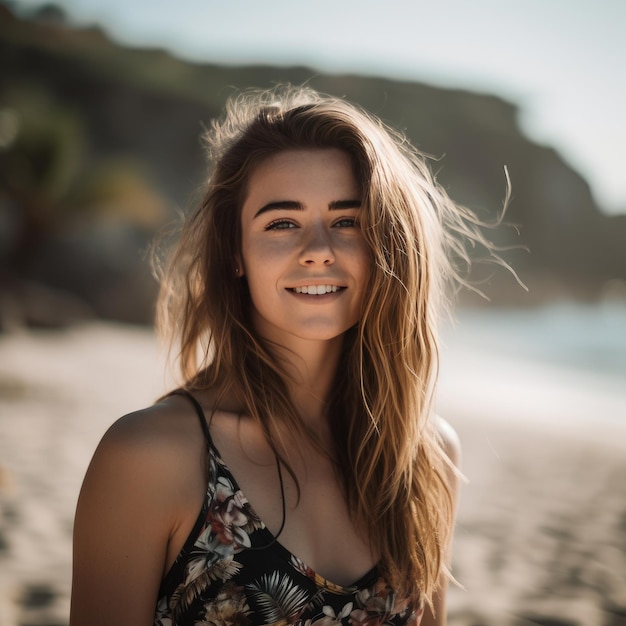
x: 387, y: 452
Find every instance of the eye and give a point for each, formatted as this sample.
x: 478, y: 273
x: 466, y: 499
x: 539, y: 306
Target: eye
x: 280, y: 224
x: 347, y: 222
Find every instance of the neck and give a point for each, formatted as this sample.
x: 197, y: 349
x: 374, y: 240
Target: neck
x: 312, y: 366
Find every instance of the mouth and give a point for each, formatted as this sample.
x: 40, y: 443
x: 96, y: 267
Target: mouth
x: 317, y: 290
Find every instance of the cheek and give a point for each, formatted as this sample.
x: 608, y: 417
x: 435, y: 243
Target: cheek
x: 249, y: 254
x: 263, y: 267
x: 363, y: 261
x: 266, y: 253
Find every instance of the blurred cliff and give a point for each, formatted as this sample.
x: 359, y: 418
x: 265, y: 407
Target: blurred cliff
x: 99, y: 148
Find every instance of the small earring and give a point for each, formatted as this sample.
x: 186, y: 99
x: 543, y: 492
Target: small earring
x: 236, y: 271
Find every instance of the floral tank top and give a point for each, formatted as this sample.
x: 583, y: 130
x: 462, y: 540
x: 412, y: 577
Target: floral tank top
x: 233, y: 572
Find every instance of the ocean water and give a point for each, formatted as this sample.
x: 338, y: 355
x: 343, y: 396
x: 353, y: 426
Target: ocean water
x: 562, y: 362
x: 591, y: 338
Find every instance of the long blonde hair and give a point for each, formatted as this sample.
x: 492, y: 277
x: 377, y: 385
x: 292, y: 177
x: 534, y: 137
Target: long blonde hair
x: 386, y: 447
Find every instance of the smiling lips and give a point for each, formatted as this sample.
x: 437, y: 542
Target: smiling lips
x: 317, y: 290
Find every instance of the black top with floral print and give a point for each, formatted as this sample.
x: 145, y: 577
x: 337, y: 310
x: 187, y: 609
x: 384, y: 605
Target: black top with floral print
x: 232, y: 571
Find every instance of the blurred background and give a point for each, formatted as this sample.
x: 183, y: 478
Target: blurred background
x: 102, y: 105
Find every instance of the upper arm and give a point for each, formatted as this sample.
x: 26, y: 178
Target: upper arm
x: 451, y: 445
x: 124, y: 517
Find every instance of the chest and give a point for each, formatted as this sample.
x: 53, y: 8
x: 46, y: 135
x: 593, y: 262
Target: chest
x: 313, y: 523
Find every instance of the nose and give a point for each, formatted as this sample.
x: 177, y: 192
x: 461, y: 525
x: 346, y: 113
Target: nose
x: 317, y: 248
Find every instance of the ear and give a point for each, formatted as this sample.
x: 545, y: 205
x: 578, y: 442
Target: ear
x: 239, y: 269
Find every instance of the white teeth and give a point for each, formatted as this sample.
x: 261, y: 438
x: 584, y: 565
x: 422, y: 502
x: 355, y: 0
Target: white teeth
x: 316, y: 289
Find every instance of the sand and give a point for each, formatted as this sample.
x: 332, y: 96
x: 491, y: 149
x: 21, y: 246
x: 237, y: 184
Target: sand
x: 541, y: 533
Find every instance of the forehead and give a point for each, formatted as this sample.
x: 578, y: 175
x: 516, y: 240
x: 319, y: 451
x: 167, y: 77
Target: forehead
x: 303, y: 171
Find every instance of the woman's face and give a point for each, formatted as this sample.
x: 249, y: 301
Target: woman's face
x: 303, y: 252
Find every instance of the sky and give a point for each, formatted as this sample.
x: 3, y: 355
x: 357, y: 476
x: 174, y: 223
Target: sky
x: 563, y: 62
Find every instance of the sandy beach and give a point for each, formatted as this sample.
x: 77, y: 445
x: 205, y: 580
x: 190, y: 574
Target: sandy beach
x: 541, y: 535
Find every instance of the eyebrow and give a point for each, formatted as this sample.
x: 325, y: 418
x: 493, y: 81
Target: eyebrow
x: 293, y: 205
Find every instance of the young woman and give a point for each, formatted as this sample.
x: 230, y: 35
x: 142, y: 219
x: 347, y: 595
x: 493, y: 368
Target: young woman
x: 298, y: 476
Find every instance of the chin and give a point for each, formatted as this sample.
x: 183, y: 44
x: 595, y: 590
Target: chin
x: 322, y: 334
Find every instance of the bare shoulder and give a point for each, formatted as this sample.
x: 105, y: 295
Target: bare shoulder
x: 147, y: 468
x: 449, y: 440
x: 168, y: 428
x: 154, y: 454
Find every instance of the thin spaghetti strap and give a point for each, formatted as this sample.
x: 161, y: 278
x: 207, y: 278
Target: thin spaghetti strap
x: 199, y: 411
x: 207, y: 434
